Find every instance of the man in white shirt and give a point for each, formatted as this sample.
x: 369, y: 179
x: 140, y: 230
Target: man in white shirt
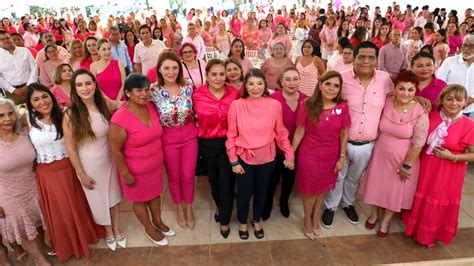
x: 194, y: 38
x: 459, y: 69
x: 17, y: 69
x: 147, y: 51
x: 421, y: 20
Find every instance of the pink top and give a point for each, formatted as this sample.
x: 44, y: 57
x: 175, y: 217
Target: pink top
x: 251, y: 38
x: 254, y: 127
x: 289, y: 116
x: 328, y: 38
x: 455, y: 43
x: 309, y: 77
x: 365, y: 105
x: 272, y: 72
x: 432, y: 91
x: 285, y: 39
x: 437, y: 50
x: 430, y: 39
x: 196, y: 76
x: 46, y: 73
x: 110, y: 80
x: 212, y: 112
x: 61, y: 97
x: 207, y: 38
x: 264, y: 36
x: 235, y: 25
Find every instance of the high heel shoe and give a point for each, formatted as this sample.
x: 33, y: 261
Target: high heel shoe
x: 111, y: 242
x: 121, y: 240
x: 162, y: 242
x: 309, y: 235
x: 259, y: 234
x: 225, y: 233
x: 317, y: 232
x: 370, y: 225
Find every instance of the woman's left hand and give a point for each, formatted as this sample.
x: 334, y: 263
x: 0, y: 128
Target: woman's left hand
x: 339, y: 165
x: 289, y: 164
x: 443, y: 153
x: 425, y: 103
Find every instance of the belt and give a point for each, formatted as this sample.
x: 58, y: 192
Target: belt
x: 359, y: 143
x: 19, y: 86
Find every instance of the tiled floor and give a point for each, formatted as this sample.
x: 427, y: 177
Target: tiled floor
x: 284, y: 242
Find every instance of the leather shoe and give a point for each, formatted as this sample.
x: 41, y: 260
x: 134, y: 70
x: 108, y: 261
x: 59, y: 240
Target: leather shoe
x: 225, y: 233
x: 382, y: 235
x: 370, y: 225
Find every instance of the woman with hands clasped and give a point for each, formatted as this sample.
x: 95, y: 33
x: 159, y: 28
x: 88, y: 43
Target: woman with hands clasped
x: 392, y: 175
x: 135, y: 141
x: 443, y: 165
x: 322, y: 129
x: 85, y: 126
x: 255, y: 124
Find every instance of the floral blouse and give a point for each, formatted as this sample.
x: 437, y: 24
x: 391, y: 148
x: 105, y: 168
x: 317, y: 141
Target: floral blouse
x: 173, y: 112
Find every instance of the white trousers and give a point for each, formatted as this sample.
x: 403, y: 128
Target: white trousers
x: 348, y: 179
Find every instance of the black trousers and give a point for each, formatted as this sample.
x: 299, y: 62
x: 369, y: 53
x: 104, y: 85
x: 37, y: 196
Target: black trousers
x: 221, y: 177
x: 253, y: 182
x: 287, y: 181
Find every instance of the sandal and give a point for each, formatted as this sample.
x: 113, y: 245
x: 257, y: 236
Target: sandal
x: 244, y: 235
x: 22, y: 257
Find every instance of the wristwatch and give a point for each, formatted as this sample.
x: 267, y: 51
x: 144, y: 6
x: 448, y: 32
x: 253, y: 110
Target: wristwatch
x: 406, y: 166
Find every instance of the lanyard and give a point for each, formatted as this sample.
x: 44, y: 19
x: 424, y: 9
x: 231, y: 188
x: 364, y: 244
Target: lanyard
x: 189, y: 73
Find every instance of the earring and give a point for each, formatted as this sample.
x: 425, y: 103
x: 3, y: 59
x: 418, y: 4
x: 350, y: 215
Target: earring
x: 128, y: 95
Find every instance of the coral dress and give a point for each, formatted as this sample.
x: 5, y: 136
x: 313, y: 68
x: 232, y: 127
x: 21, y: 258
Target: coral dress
x: 381, y: 185
x: 18, y: 191
x: 319, y: 150
x: 435, y: 211
x: 110, y: 80
x: 96, y: 159
x: 143, y: 154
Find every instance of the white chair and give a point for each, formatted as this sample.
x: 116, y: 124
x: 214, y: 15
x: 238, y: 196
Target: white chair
x: 251, y: 54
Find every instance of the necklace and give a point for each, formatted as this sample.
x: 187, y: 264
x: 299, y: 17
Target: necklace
x: 9, y: 139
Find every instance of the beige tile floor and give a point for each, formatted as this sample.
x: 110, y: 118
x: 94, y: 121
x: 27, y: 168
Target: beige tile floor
x: 276, y: 228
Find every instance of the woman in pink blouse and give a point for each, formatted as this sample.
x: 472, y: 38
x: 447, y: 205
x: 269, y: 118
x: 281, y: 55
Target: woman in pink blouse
x: 281, y: 36
x: 211, y: 105
x: 235, y: 25
x: 328, y: 38
x: 172, y: 97
x: 62, y: 84
x: 274, y: 66
x: 264, y: 34
x: 255, y: 124
x: 455, y: 39
x: 237, y: 52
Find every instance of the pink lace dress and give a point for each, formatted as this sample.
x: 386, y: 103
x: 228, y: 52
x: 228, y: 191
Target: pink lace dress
x: 18, y: 191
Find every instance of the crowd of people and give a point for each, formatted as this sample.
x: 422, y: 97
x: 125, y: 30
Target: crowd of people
x: 339, y: 102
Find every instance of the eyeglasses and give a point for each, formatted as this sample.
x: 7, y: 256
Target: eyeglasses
x: 188, y: 52
x: 370, y: 58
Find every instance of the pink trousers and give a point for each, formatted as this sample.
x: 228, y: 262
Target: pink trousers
x: 180, y: 150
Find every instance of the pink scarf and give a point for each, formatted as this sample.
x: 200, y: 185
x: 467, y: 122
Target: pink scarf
x: 436, y: 138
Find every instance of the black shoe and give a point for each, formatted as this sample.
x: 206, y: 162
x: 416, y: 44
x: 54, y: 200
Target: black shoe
x: 327, y: 218
x: 244, y: 235
x: 225, y: 233
x: 259, y: 234
x: 285, y: 210
x: 351, y: 214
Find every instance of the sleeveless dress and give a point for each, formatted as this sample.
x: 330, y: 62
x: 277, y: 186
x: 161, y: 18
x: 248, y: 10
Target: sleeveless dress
x: 381, y: 185
x: 97, y: 162
x: 18, y: 191
x: 435, y: 211
x: 71, y: 227
x: 109, y: 80
x: 143, y: 154
x: 309, y: 77
x: 319, y: 150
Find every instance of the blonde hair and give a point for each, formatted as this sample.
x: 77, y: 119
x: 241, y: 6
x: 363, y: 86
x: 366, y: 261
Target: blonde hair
x: 458, y: 90
x: 58, y: 70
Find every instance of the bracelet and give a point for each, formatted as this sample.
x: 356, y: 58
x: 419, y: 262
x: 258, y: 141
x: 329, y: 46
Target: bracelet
x: 234, y: 163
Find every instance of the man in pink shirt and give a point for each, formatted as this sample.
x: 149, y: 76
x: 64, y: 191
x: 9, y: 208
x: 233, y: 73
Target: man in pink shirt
x: 393, y: 57
x: 147, y: 51
x: 31, y: 36
x: 365, y: 90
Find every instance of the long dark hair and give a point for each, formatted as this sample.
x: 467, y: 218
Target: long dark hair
x: 56, y: 112
x: 242, y: 54
x: 135, y: 38
x: 314, y: 105
x: 80, y: 118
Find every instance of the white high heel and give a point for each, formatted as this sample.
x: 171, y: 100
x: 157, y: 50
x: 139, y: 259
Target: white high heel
x: 169, y: 233
x: 162, y: 242
x: 111, y: 245
x: 121, y: 243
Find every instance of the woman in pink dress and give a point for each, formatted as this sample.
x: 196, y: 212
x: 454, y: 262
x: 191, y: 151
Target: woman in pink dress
x: 274, y: 66
x: 455, y: 39
x: 328, y: 38
x: 235, y: 25
x: 322, y: 132
x: 250, y: 35
x: 440, y: 47
x: 110, y: 73
x: 221, y: 41
x: 135, y: 141
x: 21, y: 220
x: 443, y: 165
x: 392, y: 174
x: 264, y: 35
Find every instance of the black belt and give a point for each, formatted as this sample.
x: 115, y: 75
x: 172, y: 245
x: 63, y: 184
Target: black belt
x: 19, y: 86
x: 359, y: 143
